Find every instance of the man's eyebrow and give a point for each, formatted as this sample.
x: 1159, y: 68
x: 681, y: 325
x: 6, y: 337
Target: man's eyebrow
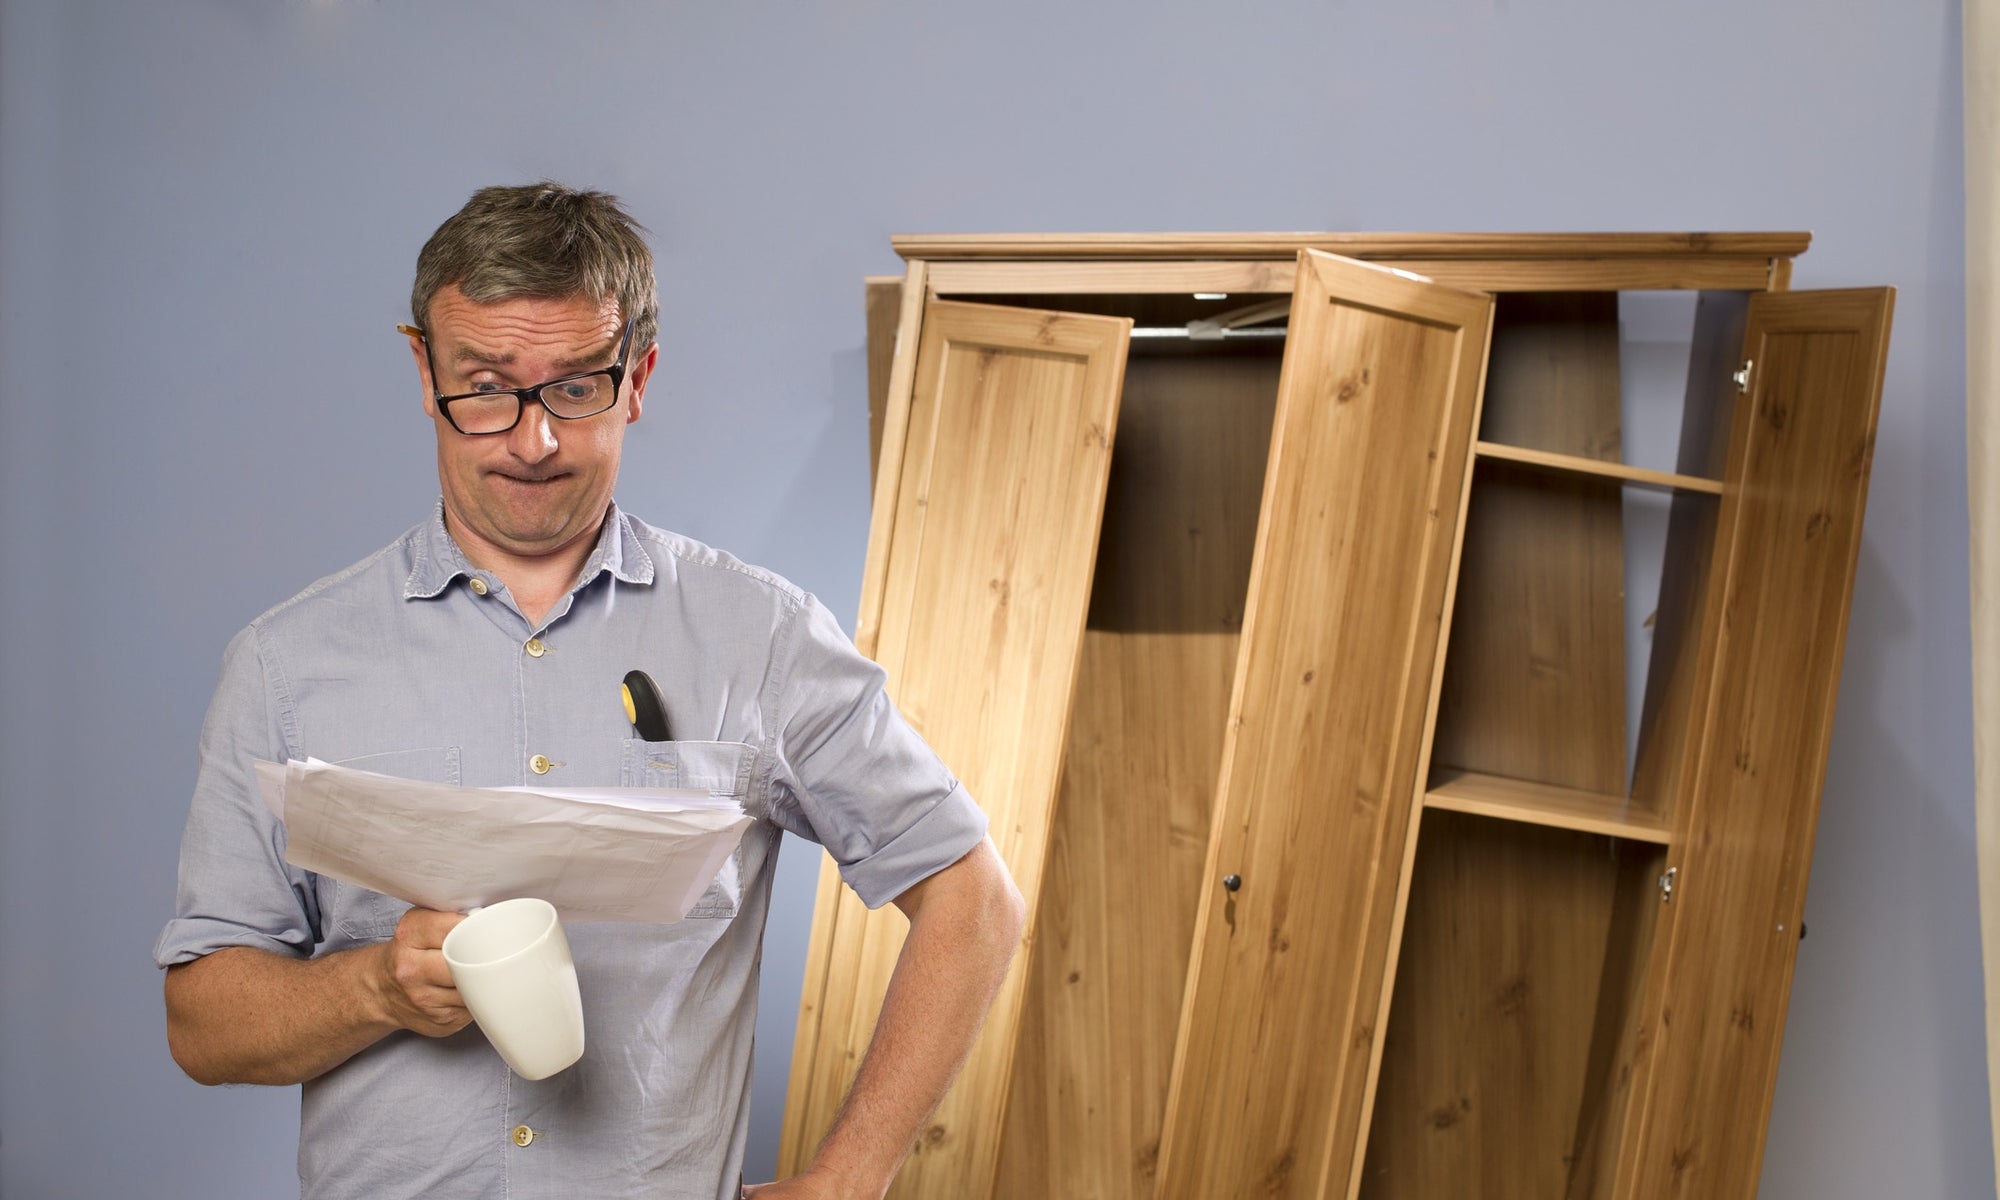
x: 462, y: 354
x: 586, y: 360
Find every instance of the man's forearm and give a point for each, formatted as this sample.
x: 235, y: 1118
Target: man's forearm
x: 965, y: 924
x: 248, y: 1016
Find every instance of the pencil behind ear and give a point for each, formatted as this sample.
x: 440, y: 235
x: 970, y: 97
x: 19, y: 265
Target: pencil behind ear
x: 419, y: 350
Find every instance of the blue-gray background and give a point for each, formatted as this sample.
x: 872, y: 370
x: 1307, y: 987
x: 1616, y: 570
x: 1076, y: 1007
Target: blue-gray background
x: 208, y: 215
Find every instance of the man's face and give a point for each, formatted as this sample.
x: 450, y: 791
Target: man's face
x: 543, y: 486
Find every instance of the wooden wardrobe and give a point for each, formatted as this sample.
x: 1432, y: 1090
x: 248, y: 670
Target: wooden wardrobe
x: 1269, y: 591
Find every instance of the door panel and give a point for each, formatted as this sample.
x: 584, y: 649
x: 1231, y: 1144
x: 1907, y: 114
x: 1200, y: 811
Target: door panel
x: 1322, y: 767
x: 976, y: 598
x: 1116, y: 916
x: 1789, y: 533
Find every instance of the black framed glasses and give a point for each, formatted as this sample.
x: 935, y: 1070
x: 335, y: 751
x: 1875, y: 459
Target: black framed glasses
x: 497, y: 409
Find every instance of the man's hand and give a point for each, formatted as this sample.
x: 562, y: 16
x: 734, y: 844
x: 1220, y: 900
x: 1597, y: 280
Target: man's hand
x: 252, y: 1016
x: 413, y: 984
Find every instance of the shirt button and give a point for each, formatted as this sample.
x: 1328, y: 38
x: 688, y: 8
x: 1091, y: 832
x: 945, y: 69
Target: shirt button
x: 540, y: 765
x: 523, y: 1135
x: 535, y: 648
x: 477, y: 585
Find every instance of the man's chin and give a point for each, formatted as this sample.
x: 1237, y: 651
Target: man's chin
x: 530, y: 535
x: 531, y: 540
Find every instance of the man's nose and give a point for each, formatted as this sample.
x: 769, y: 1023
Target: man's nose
x: 533, y: 437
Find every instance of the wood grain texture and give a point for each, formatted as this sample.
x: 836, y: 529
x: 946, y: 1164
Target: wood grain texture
x: 1606, y: 274
x: 808, y: 1081
x: 1677, y: 672
x: 982, y: 599
x: 1116, y: 914
x: 1528, y: 274
x: 1789, y: 535
x: 1540, y: 804
x: 1552, y: 378
x: 1666, y: 481
x: 1557, y: 248
x: 1085, y: 1093
x: 1110, y: 278
x: 1534, y: 684
x: 1487, y: 1054
x: 1319, y: 778
x: 1630, y: 948
x: 1493, y: 1023
x: 882, y: 301
x: 1493, y: 262
x: 1678, y: 655
x: 897, y: 409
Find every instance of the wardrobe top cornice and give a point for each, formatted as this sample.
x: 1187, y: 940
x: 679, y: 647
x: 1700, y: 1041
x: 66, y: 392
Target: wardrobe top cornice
x: 1513, y: 247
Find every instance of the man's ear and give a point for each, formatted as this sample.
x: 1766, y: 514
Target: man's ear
x: 641, y: 372
x: 423, y: 372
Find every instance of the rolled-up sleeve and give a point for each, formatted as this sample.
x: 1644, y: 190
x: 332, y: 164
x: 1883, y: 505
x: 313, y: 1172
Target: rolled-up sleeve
x: 235, y: 888
x: 853, y: 773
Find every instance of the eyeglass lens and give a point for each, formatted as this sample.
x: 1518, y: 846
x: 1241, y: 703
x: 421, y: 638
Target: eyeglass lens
x: 568, y: 398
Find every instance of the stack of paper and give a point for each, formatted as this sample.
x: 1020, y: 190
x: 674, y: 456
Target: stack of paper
x: 597, y: 854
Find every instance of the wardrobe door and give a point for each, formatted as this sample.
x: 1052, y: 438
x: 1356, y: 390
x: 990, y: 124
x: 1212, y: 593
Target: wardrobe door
x: 1788, y: 536
x: 1322, y: 769
x: 979, y: 581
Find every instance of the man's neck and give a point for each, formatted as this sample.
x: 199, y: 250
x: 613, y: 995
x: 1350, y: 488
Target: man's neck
x: 536, y: 581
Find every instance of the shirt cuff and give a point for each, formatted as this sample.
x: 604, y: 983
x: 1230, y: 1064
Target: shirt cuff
x: 941, y: 837
x: 188, y: 938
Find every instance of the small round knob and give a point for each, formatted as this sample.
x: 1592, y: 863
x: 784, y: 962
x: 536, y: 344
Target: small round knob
x: 1232, y: 882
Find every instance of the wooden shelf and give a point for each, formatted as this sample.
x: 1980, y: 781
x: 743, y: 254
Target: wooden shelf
x: 1636, y: 476
x: 1541, y: 804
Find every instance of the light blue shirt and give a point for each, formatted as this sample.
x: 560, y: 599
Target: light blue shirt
x: 412, y: 663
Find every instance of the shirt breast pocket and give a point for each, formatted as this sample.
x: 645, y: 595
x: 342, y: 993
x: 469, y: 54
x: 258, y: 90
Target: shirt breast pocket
x: 720, y: 768
x: 352, y: 914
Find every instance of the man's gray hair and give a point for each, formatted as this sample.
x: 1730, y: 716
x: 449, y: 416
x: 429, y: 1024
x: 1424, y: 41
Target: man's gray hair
x: 542, y: 240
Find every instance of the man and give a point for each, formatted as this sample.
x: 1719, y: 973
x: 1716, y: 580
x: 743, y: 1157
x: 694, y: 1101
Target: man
x: 485, y: 647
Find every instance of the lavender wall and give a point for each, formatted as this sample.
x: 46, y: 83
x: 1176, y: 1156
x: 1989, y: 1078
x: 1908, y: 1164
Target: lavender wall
x: 208, y: 213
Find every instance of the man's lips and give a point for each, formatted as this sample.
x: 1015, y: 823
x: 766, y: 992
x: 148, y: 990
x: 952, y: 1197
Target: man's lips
x: 516, y: 477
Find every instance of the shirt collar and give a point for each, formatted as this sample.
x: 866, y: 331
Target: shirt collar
x: 438, y: 560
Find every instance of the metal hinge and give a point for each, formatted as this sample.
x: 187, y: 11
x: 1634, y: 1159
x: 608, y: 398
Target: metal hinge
x: 1667, y: 884
x: 1742, y: 377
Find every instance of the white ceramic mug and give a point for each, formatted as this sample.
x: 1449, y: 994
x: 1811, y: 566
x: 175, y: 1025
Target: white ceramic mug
x: 511, y: 963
